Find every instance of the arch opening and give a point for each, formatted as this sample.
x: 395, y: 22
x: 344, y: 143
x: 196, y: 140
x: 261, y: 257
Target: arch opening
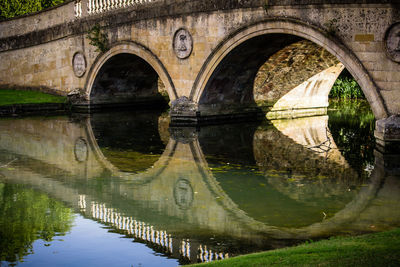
x: 281, y: 75
x: 218, y: 90
x: 230, y: 87
x: 296, y: 80
x: 128, y: 80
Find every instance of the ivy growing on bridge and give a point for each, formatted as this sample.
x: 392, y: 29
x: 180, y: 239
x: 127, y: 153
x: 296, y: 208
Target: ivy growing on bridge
x: 98, y: 38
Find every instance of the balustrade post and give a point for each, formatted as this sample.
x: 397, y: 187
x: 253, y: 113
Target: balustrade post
x: 84, y: 4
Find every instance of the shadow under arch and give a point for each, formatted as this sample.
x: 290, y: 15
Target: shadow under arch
x: 134, y: 49
x: 293, y: 28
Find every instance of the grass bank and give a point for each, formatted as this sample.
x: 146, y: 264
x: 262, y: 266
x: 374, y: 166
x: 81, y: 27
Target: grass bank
x: 12, y: 97
x: 378, y: 249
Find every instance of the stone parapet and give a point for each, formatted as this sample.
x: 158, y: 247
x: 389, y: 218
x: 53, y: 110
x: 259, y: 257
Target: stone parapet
x: 42, y: 20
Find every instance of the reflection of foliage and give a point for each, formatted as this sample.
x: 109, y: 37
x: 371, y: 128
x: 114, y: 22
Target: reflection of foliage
x: 346, y: 87
x: 352, y: 125
x: 98, y: 39
x: 27, y: 215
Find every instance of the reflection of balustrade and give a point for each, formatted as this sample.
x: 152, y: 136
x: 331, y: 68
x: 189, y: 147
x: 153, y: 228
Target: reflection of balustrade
x: 100, y: 6
x: 82, y: 202
x: 207, y: 255
x: 146, y: 232
x: 138, y: 229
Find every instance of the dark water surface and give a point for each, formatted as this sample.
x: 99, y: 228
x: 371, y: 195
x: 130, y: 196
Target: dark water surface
x: 124, y: 189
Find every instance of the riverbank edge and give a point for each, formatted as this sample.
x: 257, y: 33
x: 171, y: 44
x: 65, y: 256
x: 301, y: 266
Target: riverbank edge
x: 376, y: 249
x: 34, y: 109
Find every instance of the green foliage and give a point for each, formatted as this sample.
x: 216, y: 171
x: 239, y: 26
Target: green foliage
x: 378, y: 249
x: 11, y: 97
x: 98, y: 38
x: 51, y: 3
x: 346, y: 87
x: 25, y: 216
x: 14, y: 8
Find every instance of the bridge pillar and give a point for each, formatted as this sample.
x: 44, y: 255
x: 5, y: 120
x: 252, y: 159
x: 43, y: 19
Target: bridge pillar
x: 387, y: 133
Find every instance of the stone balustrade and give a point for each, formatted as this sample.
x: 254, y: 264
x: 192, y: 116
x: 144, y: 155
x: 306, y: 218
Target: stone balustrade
x: 92, y: 7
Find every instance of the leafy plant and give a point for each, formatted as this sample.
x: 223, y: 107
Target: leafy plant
x: 51, y: 3
x: 346, y: 87
x: 98, y: 38
x: 14, y: 8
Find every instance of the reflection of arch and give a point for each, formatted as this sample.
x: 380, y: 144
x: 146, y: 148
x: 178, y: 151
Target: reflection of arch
x: 293, y: 28
x: 312, y: 132
x: 140, y: 178
x: 325, y: 228
x: 134, y: 49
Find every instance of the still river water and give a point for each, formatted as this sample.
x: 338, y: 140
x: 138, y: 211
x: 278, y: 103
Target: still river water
x: 124, y: 189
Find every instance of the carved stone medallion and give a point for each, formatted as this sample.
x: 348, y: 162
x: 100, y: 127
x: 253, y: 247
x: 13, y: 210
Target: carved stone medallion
x: 81, y: 150
x: 79, y: 64
x: 183, y: 193
x: 392, y: 42
x: 182, y: 43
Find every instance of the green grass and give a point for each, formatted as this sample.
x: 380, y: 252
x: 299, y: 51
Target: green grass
x: 378, y: 249
x: 11, y: 97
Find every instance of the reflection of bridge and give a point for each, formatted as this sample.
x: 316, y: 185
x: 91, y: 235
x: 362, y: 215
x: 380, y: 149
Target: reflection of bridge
x: 179, y: 193
x: 206, y: 53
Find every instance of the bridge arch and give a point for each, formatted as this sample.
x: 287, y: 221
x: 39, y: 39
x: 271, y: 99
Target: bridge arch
x: 134, y: 49
x: 295, y: 29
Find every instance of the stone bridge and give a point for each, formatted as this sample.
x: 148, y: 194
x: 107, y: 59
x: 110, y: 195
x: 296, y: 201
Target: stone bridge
x: 206, y: 55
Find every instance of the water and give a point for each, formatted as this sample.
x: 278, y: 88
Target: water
x: 124, y: 189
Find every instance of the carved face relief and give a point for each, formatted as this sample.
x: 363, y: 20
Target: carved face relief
x: 392, y: 42
x: 81, y: 150
x: 183, y: 194
x: 79, y: 64
x: 182, y: 43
